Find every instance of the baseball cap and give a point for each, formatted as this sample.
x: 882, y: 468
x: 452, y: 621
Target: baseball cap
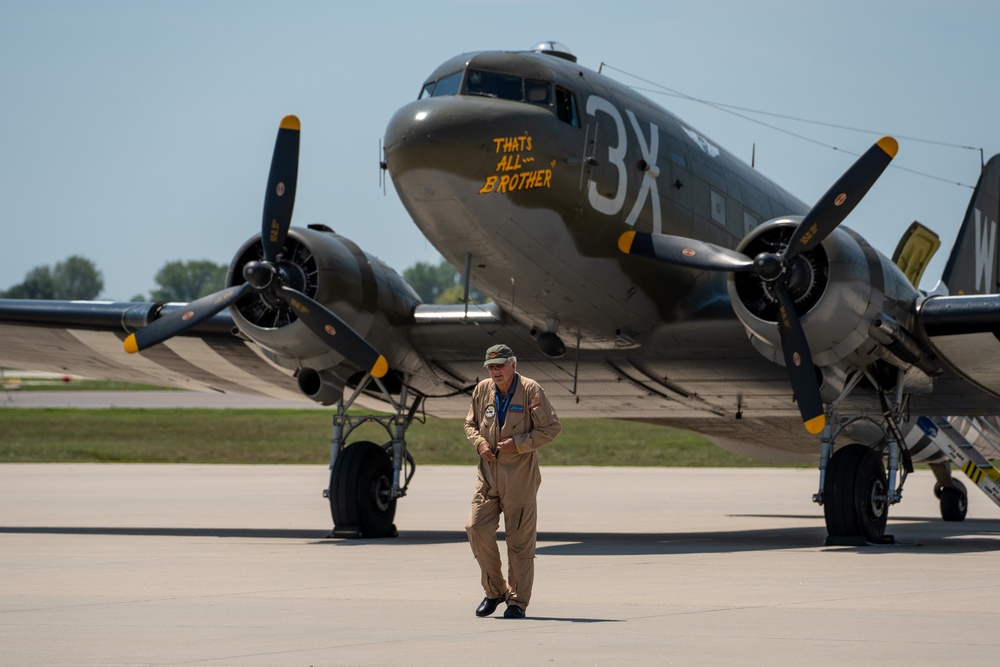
x: 498, y: 354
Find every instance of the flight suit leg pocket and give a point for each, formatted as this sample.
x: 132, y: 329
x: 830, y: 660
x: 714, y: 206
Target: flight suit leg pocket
x: 519, y: 527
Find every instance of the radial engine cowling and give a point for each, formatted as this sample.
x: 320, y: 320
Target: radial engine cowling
x: 361, y: 289
x: 839, y: 288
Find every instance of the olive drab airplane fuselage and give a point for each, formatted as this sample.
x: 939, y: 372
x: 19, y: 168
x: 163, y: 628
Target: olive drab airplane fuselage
x: 537, y: 196
x: 637, y: 269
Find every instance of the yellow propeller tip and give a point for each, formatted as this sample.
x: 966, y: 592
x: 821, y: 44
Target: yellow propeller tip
x: 290, y: 122
x: 130, y: 345
x: 380, y: 367
x: 889, y: 145
x: 625, y: 242
x: 816, y: 424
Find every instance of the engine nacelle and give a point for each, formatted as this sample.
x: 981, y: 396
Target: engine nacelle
x: 359, y: 288
x: 839, y: 288
x: 323, y: 387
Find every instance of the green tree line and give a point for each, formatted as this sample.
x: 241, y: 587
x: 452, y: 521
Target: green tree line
x: 78, y: 278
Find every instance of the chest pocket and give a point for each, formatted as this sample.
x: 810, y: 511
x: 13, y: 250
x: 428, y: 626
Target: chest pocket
x: 518, y: 418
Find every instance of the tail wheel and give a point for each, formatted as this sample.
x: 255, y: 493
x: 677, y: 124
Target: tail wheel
x: 361, y: 499
x: 855, y: 495
x: 954, y: 502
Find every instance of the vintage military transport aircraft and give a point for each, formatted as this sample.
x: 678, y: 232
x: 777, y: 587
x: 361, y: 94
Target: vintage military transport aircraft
x: 638, y: 270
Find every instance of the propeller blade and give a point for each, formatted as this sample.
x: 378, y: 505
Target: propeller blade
x: 182, y: 319
x: 799, y: 363
x: 334, y: 331
x: 280, y: 196
x: 841, y: 199
x: 683, y: 252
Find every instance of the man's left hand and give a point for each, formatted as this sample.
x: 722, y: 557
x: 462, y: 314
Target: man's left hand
x: 507, y: 446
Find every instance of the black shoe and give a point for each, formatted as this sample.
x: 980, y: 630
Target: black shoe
x: 488, y: 606
x: 514, y: 611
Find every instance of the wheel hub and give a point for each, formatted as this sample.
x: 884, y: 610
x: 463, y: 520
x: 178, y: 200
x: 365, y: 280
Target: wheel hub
x: 876, y: 499
x: 382, y: 493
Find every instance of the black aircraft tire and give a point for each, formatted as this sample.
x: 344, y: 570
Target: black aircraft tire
x: 954, y: 503
x: 362, y: 485
x: 838, y: 492
x: 854, y: 495
x: 871, y: 496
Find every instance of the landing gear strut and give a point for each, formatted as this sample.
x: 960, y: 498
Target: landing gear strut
x: 365, y: 478
x: 855, y: 489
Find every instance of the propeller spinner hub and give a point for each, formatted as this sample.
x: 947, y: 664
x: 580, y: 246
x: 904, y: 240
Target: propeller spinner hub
x: 259, y: 274
x: 768, y: 266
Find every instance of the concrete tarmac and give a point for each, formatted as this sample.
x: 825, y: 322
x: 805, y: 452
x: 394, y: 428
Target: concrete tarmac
x: 230, y: 565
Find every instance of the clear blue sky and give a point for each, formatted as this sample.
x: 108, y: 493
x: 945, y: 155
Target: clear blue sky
x: 136, y: 133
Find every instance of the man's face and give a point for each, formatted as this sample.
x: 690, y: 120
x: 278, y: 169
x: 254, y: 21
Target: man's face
x: 502, y: 374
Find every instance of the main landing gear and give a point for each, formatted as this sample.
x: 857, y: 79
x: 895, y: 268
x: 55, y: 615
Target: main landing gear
x: 855, y: 489
x: 367, y: 478
x: 855, y: 497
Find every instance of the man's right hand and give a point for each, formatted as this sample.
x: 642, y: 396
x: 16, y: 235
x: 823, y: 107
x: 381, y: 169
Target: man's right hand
x: 485, y: 452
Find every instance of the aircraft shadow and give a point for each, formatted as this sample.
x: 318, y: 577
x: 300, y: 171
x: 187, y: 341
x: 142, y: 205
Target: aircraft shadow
x: 564, y: 620
x: 921, y: 534
x: 261, y: 533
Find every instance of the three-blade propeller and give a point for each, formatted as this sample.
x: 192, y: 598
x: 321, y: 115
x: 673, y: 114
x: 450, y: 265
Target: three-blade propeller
x: 773, y: 268
x: 265, y: 276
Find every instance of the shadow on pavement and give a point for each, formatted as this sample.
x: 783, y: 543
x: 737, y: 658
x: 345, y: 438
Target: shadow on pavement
x: 920, y: 535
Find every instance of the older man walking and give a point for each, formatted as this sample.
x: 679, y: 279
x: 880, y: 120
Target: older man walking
x: 509, y: 420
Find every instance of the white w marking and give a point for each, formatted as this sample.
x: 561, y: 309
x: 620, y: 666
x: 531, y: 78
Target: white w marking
x: 985, y: 249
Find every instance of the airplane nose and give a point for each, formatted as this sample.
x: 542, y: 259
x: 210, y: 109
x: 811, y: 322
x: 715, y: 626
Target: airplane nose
x: 450, y: 133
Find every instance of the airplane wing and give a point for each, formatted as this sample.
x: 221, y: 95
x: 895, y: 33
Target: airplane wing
x: 743, y: 404
x: 86, y: 338
x: 727, y: 392
x: 962, y: 320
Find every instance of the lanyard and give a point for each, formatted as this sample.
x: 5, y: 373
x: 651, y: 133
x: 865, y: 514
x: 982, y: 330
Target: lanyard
x: 502, y: 406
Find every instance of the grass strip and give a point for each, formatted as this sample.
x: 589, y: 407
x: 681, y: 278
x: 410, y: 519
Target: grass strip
x: 56, y: 384
x: 129, y: 435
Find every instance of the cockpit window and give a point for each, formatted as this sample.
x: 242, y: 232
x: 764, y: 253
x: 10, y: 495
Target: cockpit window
x: 490, y: 84
x: 566, y: 106
x: 446, y: 85
x: 513, y: 88
x: 538, y: 92
x: 509, y: 87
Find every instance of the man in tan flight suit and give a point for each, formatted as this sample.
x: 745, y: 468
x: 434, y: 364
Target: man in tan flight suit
x: 509, y: 419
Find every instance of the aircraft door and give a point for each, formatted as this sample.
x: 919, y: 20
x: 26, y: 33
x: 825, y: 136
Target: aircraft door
x: 605, y: 180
